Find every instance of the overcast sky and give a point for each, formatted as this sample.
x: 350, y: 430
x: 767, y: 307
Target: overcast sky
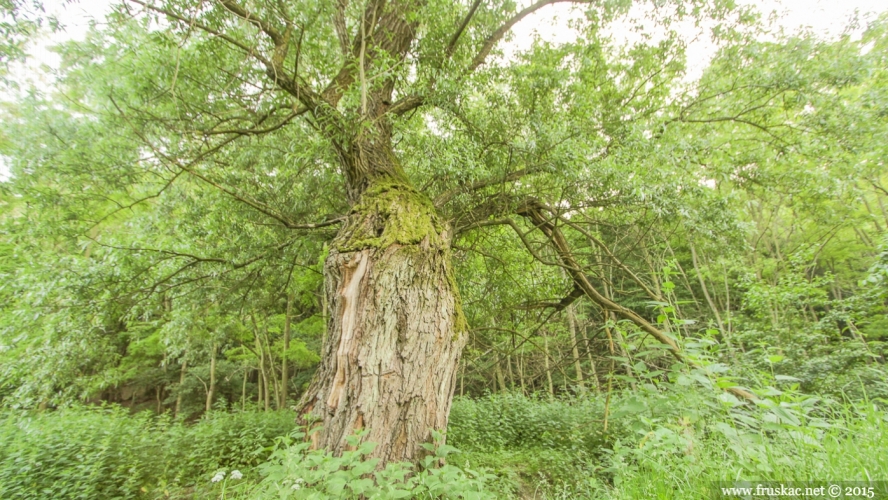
x: 826, y: 17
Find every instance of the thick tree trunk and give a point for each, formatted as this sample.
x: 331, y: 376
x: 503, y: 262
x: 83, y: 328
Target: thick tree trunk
x: 395, y: 330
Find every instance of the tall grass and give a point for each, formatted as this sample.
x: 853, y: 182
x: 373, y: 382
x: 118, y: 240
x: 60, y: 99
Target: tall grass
x: 105, y: 452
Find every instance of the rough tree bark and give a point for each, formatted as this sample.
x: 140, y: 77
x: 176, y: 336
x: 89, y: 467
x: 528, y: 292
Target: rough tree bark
x: 396, y: 329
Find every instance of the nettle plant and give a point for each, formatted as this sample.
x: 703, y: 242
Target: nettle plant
x: 296, y: 471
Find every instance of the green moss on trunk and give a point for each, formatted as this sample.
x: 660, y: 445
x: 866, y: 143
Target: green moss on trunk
x: 391, y: 213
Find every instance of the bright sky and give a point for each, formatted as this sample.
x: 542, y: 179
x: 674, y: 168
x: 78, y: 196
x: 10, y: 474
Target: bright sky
x: 825, y: 17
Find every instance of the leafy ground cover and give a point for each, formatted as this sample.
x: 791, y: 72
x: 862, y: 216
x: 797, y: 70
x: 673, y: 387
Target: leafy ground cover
x: 656, y: 444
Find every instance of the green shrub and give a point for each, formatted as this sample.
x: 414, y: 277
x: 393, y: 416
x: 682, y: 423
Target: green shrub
x: 511, y: 421
x: 294, y: 471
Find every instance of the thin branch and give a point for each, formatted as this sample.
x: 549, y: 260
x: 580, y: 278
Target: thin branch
x: 131, y: 205
x: 259, y: 131
x: 497, y: 35
x: 188, y: 167
x: 451, y: 47
x: 251, y: 18
x: 197, y: 259
x: 443, y: 198
x: 293, y: 86
x: 248, y: 50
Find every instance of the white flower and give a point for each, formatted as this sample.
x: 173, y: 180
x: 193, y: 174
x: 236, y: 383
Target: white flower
x: 298, y: 483
x: 236, y: 474
x: 296, y: 486
x: 218, y: 477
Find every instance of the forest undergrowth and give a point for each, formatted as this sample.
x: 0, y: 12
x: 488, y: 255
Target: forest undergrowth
x: 676, y: 442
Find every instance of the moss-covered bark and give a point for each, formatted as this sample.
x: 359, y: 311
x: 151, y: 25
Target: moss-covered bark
x: 391, y: 213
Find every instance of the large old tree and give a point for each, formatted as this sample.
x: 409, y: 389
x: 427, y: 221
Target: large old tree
x: 402, y: 124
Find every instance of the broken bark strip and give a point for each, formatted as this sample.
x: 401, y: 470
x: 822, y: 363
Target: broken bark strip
x: 533, y: 210
x: 353, y: 274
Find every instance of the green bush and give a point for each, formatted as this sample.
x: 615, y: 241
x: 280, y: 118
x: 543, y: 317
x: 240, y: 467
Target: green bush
x: 512, y: 421
x: 295, y: 471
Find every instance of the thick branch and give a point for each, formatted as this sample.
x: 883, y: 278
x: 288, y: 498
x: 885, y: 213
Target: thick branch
x: 411, y: 102
x: 561, y: 305
x: 638, y: 281
x: 406, y: 104
x: 366, y: 37
x: 341, y: 29
x: 533, y: 210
